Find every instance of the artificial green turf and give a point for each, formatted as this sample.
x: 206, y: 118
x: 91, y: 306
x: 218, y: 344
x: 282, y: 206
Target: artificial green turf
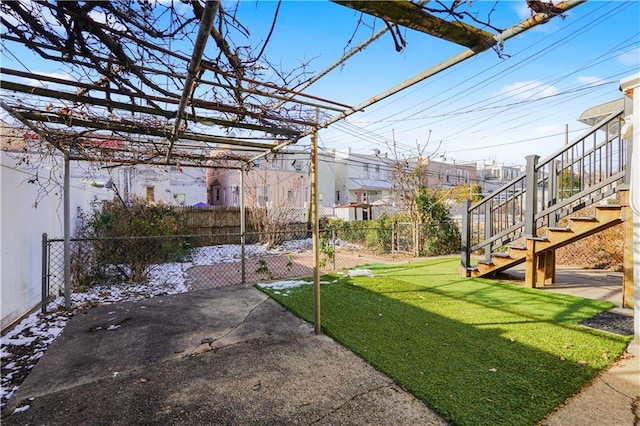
x: 475, y: 351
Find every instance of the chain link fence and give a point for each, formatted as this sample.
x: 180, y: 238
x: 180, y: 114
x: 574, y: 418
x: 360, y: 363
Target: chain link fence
x: 147, y: 266
x: 155, y: 265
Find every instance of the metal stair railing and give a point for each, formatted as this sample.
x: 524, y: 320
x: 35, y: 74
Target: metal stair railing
x: 583, y: 172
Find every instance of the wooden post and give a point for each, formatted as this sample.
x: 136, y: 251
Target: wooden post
x: 530, y: 273
x: 627, y: 262
x: 531, y: 197
x: 550, y: 267
x: 546, y: 268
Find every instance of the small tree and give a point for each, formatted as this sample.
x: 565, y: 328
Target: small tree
x: 442, y: 236
x: 433, y: 231
x: 275, y: 196
x: 569, y: 183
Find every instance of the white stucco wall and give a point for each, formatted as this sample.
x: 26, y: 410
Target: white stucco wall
x: 24, y: 216
x: 631, y: 87
x: 22, y: 225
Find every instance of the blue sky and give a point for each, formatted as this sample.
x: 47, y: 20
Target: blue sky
x: 484, y: 108
x: 487, y: 107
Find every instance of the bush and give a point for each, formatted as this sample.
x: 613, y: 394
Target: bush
x: 126, y: 239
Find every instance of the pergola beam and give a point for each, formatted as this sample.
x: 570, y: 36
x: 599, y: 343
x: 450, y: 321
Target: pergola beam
x: 107, y: 103
x: 411, y: 15
x: 206, y: 23
x: 72, y: 121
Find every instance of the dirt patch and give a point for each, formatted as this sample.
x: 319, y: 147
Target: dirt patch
x: 278, y: 266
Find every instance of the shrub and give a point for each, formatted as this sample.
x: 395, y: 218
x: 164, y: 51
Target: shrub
x: 126, y: 239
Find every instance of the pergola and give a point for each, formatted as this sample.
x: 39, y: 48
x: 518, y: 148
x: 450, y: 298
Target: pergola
x: 165, y: 84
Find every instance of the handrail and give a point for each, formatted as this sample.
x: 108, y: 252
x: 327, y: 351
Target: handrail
x: 581, y: 173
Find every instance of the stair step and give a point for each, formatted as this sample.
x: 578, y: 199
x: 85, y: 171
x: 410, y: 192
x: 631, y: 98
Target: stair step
x: 559, y: 229
x: 584, y: 219
x: 608, y: 206
x: 503, y: 255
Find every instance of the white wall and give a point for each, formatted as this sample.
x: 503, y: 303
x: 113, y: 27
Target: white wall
x: 327, y: 180
x: 24, y: 216
x: 631, y: 86
x: 22, y: 225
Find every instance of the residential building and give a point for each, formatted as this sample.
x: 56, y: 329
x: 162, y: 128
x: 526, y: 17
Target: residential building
x: 363, y: 185
x: 445, y: 172
x: 160, y: 184
x: 492, y: 175
x: 274, y: 182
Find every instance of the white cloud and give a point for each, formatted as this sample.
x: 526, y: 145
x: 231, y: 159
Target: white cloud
x: 522, y: 10
x: 528, y: 90
x: 631, y: 57
x: 35, y: 82
x: 590, y: 80
x: 103, y: 18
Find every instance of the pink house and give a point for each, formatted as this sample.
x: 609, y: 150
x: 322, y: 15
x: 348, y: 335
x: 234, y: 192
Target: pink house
x: 270, y: 183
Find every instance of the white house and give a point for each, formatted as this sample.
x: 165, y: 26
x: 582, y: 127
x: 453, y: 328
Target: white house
x: 361, y: 182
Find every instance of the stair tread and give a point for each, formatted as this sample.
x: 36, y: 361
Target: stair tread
x: 501, y: 255
x: 559, y: 229
x: 584, y: 219
x: 609, y: 207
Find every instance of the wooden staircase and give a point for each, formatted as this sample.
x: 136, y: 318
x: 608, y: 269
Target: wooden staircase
x: 578, y: 227
x: 518, y: 222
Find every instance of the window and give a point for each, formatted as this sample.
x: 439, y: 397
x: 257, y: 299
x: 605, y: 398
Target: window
x: 263, y: 196
x: 377, y: 170
x: 366, y: 169
x: 151, y: 194
x: 337, y: 196
x: 274, y: 165
x: 179, y: 199
x: 290, y: 194
x: 217, y: 194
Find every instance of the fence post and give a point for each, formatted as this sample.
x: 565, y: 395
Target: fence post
x: 333, y: 240
x: 553, y: 192
x: 393, y: 236
x: 531, y: 196
x: 45, y: 272
x: 488, y: 230
x: 465, y: 254
x: 67, y: 233
x: 243, y: 232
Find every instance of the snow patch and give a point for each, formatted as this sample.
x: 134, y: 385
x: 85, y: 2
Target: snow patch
x: 360, y: 273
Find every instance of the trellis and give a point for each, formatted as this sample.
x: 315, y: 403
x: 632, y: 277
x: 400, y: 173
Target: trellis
x: 134, y: 97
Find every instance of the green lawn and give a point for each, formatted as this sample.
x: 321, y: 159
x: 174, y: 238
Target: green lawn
x: 475, y: 351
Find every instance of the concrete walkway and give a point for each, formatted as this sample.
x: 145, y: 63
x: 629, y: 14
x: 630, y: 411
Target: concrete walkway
x: 233, y: 356
x: 219, y: 356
